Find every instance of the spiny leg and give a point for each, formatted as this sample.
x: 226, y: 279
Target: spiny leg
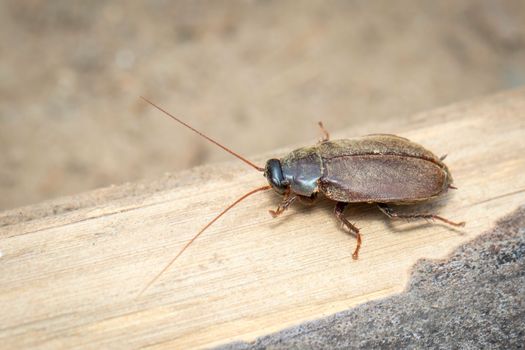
x: 326, y: 135
x: 338, y: 211
x: 285, y: 203
x: 388, y: 211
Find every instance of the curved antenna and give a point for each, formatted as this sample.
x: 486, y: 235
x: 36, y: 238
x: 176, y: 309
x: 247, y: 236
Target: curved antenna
x: 201, y: 134
x: 264, y: 188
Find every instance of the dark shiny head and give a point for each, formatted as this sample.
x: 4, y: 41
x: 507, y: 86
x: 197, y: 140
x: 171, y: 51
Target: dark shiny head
x: 274, y: 174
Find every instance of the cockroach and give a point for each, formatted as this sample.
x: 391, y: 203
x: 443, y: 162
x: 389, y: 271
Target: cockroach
x: 380, y: 169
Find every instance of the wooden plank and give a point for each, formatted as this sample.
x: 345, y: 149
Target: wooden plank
x: 71, y: 278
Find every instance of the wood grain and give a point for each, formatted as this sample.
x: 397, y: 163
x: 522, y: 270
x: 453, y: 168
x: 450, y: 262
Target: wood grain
x: 70, y: 277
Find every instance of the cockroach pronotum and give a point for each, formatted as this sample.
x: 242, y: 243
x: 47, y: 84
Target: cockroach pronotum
x: 382, y: 169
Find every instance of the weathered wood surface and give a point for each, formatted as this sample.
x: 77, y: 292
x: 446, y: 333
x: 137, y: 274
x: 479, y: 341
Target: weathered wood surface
x: 70, y: 270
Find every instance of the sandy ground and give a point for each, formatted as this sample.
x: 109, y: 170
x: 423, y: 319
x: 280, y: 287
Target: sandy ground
x: 254, y: 74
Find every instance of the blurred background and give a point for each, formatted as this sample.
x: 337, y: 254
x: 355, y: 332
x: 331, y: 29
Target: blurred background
x: 256, y: 75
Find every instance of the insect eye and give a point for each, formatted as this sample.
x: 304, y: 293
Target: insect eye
x: 274, y: 175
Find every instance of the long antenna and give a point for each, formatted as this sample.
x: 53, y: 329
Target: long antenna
x: 264, y: 188
x: 201, y: 134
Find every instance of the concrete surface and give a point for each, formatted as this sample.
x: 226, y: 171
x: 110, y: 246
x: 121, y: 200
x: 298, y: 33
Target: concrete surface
x: 473, y: 300
x: 255, y: 74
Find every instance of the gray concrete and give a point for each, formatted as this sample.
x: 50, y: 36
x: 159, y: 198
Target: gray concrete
x: 473, y: 300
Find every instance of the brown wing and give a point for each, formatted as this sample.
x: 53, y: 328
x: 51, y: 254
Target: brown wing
x: 385, y: 169
x: 376, y: 144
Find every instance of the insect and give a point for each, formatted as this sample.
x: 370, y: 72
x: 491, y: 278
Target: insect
x: 381, y: 169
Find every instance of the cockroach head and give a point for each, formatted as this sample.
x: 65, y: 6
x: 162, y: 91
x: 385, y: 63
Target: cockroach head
x: 274, y: 175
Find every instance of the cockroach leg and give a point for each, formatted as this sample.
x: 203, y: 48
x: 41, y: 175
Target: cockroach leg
x: 388, y: 211
x: 326, y: 135
x: 288, y: 199
x: 338, y: 211
x: 442, y: 158
x: 308, y: 200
